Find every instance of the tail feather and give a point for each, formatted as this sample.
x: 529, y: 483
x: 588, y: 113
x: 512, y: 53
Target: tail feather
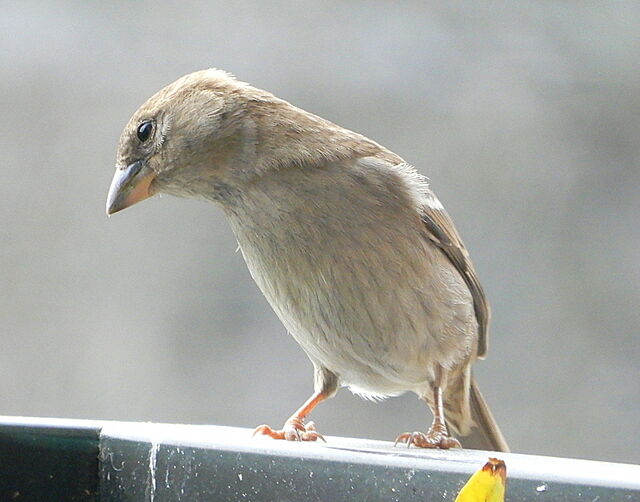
x: 471, y: 409
x: 487, y: 431
x: 457, y: 398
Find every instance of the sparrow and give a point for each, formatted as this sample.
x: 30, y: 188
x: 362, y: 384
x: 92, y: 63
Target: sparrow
x: 354, y: 252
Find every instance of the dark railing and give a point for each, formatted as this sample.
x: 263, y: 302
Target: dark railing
x: 76, y: 460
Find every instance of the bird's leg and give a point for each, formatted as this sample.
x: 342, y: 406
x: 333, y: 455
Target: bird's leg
x: 437, y: 436
x: 294, y: 428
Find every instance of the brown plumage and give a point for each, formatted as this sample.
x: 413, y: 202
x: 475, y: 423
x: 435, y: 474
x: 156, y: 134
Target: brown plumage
x: 347, y: 242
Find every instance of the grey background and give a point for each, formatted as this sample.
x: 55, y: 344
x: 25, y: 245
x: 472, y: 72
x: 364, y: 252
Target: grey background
x: 526, y: 117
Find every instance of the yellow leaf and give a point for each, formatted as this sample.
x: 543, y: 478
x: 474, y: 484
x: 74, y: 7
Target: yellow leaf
x: 487, y: 484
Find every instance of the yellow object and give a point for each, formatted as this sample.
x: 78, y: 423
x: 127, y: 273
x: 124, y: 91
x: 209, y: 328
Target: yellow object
x: 487, y: 484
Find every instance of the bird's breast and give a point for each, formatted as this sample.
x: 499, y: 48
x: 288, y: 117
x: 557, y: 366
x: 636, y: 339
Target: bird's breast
x: 353, y: 280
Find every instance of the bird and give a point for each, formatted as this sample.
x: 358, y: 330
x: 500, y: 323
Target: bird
x: 346, y: 240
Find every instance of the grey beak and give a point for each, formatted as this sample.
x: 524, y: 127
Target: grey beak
x: 128, y: 187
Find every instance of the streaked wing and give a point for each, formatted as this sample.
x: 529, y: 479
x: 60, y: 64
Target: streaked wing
x: 444, y: 235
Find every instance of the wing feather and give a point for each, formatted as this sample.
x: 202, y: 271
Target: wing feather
x: 443, y: 234
x: 441, y: 231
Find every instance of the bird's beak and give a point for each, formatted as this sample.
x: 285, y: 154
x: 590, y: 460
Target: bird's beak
x: 130, y: 185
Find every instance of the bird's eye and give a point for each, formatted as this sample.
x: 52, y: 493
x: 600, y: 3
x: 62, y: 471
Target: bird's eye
x: 144, y: 131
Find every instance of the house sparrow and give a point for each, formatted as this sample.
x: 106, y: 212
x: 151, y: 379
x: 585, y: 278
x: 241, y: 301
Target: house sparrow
x: 354, y: 252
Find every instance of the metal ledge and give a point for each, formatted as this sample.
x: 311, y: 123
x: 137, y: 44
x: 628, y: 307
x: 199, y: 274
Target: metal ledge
x: 53, y: 459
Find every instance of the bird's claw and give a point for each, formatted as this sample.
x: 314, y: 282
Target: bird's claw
x: 436, y: 437
x: 294, y: 430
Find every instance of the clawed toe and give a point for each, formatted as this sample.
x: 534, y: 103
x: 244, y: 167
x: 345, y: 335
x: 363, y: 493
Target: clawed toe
x: 431, y: 439
x: 293, y: 430
x: 266, y: 430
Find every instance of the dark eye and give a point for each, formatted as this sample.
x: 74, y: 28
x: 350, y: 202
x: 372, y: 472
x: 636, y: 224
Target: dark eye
x: 144, y: 131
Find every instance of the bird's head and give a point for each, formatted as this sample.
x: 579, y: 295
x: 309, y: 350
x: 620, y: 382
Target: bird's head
x: 185, y: 140
x: 208, y: 135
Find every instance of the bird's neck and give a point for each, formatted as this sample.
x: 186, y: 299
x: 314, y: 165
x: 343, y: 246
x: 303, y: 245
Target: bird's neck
x: 287, y: 136
x: 275, y: 140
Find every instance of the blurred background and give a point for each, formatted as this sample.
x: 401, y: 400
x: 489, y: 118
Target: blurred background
x: 525, y: 116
